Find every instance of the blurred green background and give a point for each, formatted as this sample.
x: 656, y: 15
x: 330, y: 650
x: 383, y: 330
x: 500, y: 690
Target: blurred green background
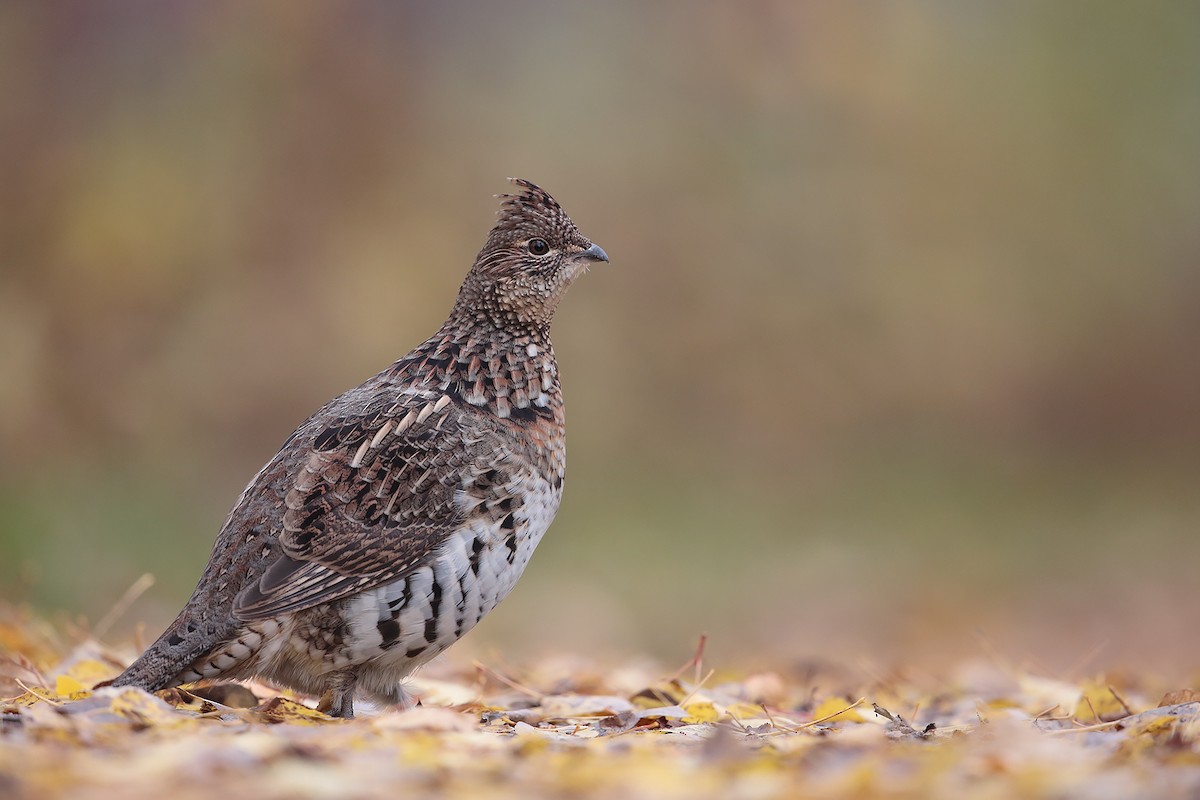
x: 895, y: 361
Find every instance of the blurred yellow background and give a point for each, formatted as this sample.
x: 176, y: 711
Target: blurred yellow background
x: 895, y: 361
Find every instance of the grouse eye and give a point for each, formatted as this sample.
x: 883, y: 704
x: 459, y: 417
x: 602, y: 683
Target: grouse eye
x: 538, y: 247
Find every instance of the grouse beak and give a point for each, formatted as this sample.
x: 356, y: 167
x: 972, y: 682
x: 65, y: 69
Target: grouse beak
x: 594, y: 253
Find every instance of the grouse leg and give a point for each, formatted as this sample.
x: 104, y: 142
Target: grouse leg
x: 338, y: 698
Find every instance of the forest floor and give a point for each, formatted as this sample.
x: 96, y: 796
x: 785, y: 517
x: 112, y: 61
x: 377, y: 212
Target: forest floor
x: 566, y: 728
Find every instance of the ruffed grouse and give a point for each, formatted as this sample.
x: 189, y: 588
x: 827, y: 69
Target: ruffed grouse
x: 398, y: 515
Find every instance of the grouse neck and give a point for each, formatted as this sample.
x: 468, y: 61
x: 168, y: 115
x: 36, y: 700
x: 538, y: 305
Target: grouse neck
x: 489, y: 324
x: 508, y: 369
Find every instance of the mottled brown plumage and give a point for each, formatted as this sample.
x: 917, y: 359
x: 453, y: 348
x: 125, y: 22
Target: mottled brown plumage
x: 400, y: 513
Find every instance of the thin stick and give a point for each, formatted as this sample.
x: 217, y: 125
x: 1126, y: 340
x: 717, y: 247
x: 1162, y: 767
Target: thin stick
x: 1093, y: 709
x: 1047, y: 711
x: 21, y: 662
x: 738, y: 723
x: 699, y: 685
x: 506, y: 681
x: 122, y: 605
x: 1084, y: 660
x: 774, y: 723
x: 45, y: 698
x: 694, y: 661
x: 662, y: 698
x: 855, y: 704
x: 1085, y: 728
x: 1121, y: 700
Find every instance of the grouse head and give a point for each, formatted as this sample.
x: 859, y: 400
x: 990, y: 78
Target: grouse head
x: 529, y: 259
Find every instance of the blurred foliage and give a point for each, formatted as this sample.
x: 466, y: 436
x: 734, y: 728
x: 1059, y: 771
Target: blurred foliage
x: 897, y: 347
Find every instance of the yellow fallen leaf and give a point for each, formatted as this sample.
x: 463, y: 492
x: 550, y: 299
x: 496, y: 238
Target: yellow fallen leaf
x: 1000, y: 703
x: 281, y: 709
x: 33, y: 696
x: 89, y: 672
x: 837, y: 707
x: 701, y: 711
x: 1158, y: 725
x: 1099, y: 704
x: 68, y: 688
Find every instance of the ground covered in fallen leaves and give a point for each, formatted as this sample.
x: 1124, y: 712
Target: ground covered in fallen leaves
x: 562, y: 728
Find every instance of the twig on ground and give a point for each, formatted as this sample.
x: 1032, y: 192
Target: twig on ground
x: 509, y: 682
x: 695, y: 661
x: 1085, y: 728
x: 136, y: 590
x: 1093, y: 708
x: 696, y: 687
x: 1121, y: 700
x: 855, y: 704
x: 54, y: 701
